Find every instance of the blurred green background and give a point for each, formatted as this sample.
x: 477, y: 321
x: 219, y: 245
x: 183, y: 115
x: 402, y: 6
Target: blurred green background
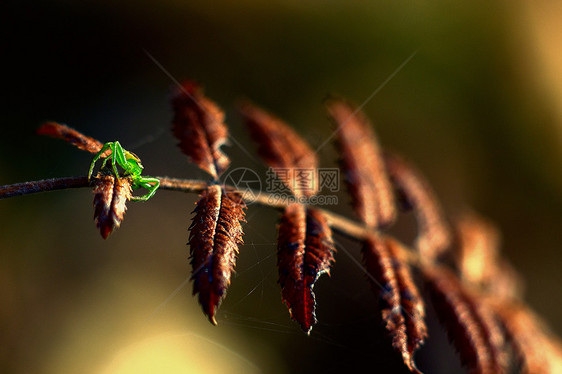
x: 478, y: 109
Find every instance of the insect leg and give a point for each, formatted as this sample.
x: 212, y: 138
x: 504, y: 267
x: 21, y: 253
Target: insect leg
x: 151, y: 184
x: 105, y: 147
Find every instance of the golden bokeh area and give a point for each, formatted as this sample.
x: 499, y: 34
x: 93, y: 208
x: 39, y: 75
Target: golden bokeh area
x: 544, y: 30
x: 111, y: 333
x: 186, y: 353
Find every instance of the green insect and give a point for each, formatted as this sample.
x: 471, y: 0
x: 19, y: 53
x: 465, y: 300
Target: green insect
x: 132, y: 166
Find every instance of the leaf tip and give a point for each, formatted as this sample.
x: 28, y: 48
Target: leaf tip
x: 213, y: 319
x: 46, y: 128
x: 410, y: 363
x: 105, y: 230
x: 186, y: 89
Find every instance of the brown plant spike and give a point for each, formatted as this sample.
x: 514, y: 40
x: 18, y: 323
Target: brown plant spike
x: 539, y: 352
x: 110, y: 198
x: 81, y: 141
x: 305, y: 251
x: 216, y: 233
x: 494, y: 334
x: 434, y: 234
x: 199, y: 126
x: 282, y: 149
x: 506, y: 284
x: 412, y: 304
x: 478, y: 248
x: 478, y: 258
x: 362, y: 162
x: 471, y: 327
x: 402, y: 307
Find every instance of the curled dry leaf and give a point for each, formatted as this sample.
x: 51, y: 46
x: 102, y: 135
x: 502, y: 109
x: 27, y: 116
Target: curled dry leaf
x: 471, y: 325
x: 110, y: 198
x: 478, y: 248
x: 538, y: 351
x: 81, y: 141
x: 411, y: 301
x: 478, y: 258
x: 434, y: 234
x: 216, y: 233
x: 362, y: 162
x: 199, y: 126
x: 305, y: 251
x: 283, y: 150
x: 402, y: 308
x: 506, y: 284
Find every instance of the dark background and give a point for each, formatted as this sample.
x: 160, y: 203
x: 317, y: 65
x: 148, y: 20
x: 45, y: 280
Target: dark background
x: 477, y: 109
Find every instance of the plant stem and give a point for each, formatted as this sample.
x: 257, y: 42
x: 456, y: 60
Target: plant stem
x: 27, y: 188
x: 341, y: 224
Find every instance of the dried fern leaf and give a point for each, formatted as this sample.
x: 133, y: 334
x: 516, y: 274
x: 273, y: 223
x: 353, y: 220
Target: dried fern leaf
x: 471, y: 326
x: 434, y: 234
x: 362, y: 162
x: 478, y: 248
x: 402, y: 308
x: 110, y: 198
x: 536, y: 348
x: 305, y: 251
x: 507, y: 283
x: 283, y: 150
x: 478, y: 258
x: 412, y: 304
x: 60, y: 131
x: 199, y: 126
x: 216, y: 232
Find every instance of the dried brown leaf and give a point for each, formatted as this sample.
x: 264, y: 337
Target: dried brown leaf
x: 402, y: 308
x: 60, y: 131
x: 471, y: 325
x: 282, y: 149
x: 478, y: 248
x: 367, y: 180
x: 305, y: 251
x: 110, y: 198
x: 478, y: 258
x: 538, y: 350
x: 434, y: 234
x: 216, y: 233
x: 494, y: 334
x: 506, y: 284
x: 199, y: 126
x: 412, y: 304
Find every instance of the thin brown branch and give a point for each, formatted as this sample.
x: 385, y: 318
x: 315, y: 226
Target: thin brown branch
x: 338, y: 223
x: 28, y: 188
x: 54, y: 184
